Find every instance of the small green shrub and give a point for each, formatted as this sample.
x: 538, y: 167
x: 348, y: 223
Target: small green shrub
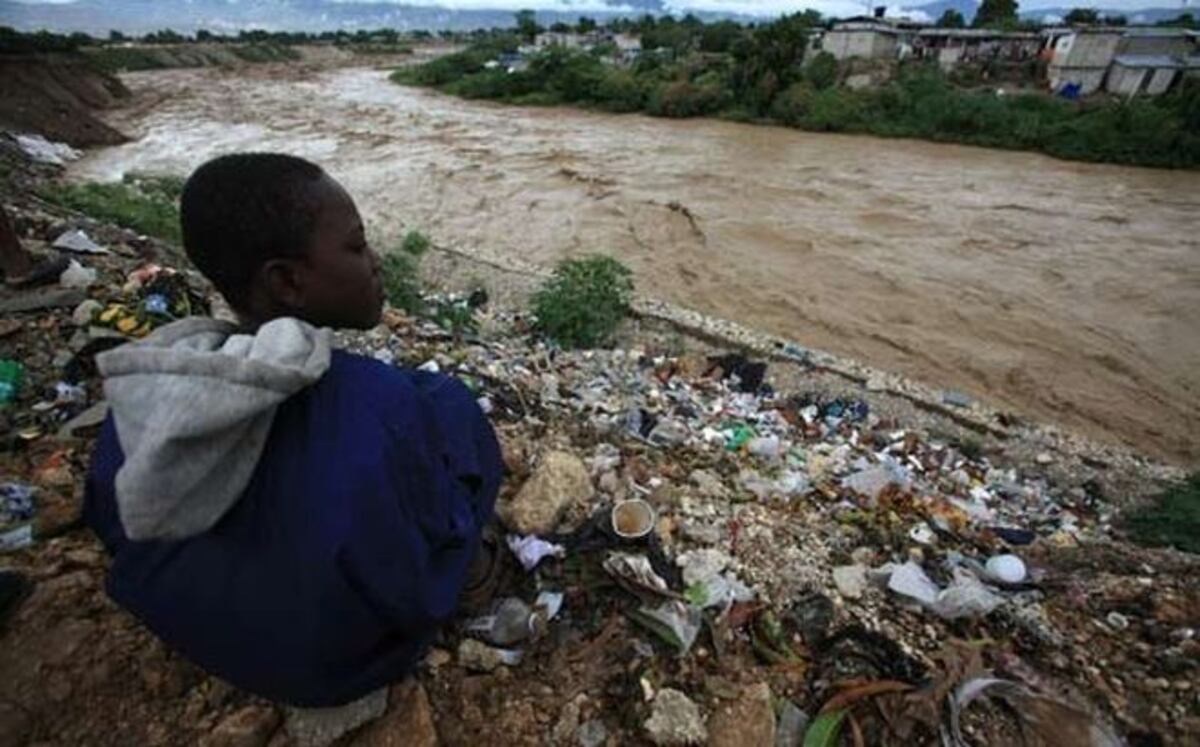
x: 401, y: 273
x: 415, y: 243
x: 148, y: 205
x: 581, y: 305
x: 821, y: 72
x: 1173, y: 519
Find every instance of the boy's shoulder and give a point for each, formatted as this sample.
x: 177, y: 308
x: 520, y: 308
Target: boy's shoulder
x: 383, y: 385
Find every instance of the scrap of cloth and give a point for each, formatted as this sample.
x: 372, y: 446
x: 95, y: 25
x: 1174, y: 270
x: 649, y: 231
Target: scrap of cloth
x: 349, y: 546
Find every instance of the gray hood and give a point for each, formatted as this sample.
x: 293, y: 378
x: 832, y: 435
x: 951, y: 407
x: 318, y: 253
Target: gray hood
x: 193, y: 405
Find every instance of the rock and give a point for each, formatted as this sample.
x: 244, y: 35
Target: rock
x: 748, y: 721
x: 708, y: 483
x: 559, y: 480
x: 15, y: 725
x: 567, y: 724
x: 1044, y: 458
x: 408, y: 723
x: 437, y: 658
x: 43, y: 299
x: 479, y: 657
x: 252, y: 726
x: 317, y: 727
x: 675, y: 720
x: 591, y: 733
x: 956, y: 398
x: 851, y: 580
x: 55, y: 514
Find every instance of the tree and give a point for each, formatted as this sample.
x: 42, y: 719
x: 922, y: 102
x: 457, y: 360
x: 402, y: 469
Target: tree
x: 1114, y: 21
x: 769, y: 59
x: 116, y: 36
x: 585, y: 25
x: 720, y: 36
x: 996, y: 14
x: 1082, y: 16
x: 821, y: 72
x: 1183, y: 20
x: 559, y: 27
x: 527, y: 25
x: 952, y: 19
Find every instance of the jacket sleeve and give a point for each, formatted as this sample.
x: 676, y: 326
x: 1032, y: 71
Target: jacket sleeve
x: 413, y: 537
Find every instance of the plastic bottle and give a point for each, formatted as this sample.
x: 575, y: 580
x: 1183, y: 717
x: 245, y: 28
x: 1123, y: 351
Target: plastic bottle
x: 511, y: 622
x: 12, y: 374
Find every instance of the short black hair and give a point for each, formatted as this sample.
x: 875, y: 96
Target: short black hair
x: 241, y: 210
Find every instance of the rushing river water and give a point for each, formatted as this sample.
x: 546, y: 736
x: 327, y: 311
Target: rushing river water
x: 1067, y: 292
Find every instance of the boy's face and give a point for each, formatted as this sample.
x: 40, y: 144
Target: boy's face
x: 338, y: 280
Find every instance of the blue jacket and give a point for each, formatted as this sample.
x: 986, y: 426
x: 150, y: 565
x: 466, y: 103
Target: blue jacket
x: 332, y: 572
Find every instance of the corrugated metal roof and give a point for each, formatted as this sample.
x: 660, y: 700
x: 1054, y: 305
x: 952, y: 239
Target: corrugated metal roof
x: 978, y: 33
x: 1157, y: 60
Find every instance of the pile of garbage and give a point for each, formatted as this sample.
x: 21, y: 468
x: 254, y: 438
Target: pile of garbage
x: 697, y: 556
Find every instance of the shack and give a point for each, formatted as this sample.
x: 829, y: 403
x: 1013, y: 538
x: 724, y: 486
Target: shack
x: 1149, y: 75
x: 867, y: 38
x: 1081, y: 59
x: 953, y: 46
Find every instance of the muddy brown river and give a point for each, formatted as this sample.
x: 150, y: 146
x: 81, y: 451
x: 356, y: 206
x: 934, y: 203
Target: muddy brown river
x: 1067, y: 292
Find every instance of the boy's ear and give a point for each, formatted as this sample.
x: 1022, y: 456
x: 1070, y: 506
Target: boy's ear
x: 281, y: 280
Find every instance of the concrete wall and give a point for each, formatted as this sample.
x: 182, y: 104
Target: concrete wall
x: 1086, y: 50
x: 1129, y: 81
x: 867, y: 44
x: 1125, y: 81
x: 1089, y: 78
x: 1161, y: 82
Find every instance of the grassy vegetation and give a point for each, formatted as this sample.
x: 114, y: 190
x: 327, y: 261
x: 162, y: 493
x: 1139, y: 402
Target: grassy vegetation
x: 146, y: 204
x: 401, y: 274
x: 757, y: 84
x: 582, y: 304
x: 1172, y: 520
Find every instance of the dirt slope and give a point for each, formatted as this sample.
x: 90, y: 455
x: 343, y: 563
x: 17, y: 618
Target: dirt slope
x: 56, y: 96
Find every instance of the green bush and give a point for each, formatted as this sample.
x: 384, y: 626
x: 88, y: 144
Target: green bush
x: 581, y: 305
x: 683, y: 98
x: 763, y: 76
x: 620, y: 91
x: 791, y: 106
x: 821, y: 72
x: 148, y: 205
x: 1172, y: 520
x: 401, y: 274
x: 415, y: 243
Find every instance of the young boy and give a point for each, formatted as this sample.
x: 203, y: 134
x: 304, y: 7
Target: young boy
x: 294, y: 519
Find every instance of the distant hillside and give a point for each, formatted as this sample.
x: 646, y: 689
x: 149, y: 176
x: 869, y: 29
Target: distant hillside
x: 1145, y: 15
x: 139, y: 16
x: 98, y: 17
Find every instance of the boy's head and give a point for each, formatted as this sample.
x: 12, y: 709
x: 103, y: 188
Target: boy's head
x: 279, y: 237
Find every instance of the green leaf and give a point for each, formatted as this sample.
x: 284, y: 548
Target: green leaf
x: 825, y: 730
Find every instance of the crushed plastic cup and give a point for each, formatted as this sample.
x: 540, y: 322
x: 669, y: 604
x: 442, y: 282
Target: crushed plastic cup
x: 633, y: 519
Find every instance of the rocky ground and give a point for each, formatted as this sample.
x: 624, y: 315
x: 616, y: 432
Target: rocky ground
x: 834, y: 555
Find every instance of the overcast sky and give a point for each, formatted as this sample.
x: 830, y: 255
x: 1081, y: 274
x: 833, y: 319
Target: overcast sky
x: 747, y: 7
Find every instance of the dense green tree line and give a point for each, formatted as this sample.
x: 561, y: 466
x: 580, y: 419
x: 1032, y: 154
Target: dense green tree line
x: 768, y: 74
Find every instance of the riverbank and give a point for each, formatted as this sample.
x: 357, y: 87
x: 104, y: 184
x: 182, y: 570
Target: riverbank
x: 919, y: 101
x: 1096, y: 633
